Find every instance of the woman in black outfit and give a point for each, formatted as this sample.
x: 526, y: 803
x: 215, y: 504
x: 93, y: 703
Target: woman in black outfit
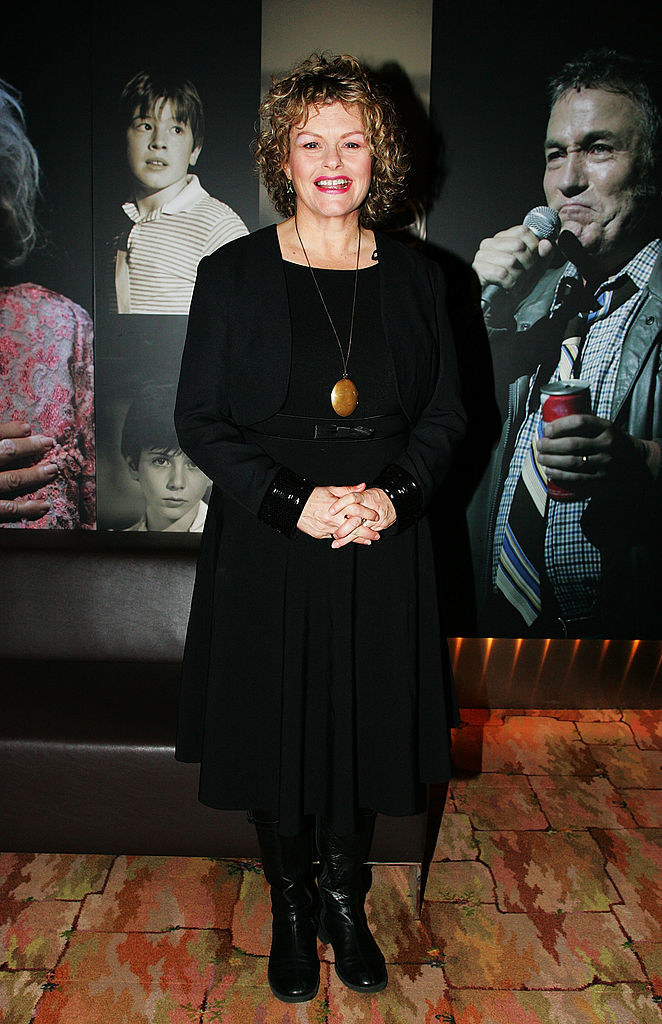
x: 318, y: 392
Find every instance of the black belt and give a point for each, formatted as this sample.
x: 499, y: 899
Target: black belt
x: 573, y: 629
x: 305, y: 428
x: 499, y: 618
x: 552, y: 624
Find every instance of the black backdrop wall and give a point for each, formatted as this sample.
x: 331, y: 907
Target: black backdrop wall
x: 489, y: 69
x: 48, y: 58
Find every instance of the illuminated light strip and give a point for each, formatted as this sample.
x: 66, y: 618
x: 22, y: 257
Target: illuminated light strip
x: 603, y: 652
x: 571, y: 660
x: 489, y: 641
x: 518, y: 648
x: 633, y: 651
x: 457, y: 647
x: 657, y: 670
x: 540, y: 667
x: 468, y: 650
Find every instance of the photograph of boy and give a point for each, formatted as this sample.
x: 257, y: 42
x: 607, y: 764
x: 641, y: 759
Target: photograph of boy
x: 172, y: 222
x: 171, y: 485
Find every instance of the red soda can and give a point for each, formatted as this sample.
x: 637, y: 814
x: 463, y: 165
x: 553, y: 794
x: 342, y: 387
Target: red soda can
x: 564, y: 398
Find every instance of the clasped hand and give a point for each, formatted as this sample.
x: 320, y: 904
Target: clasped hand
x: 587, y: 453
x: 21, y: 473
x: 350, y: 515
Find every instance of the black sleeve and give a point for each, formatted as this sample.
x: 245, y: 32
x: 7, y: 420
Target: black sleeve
x: 412, y: 480
x: 205, y: 428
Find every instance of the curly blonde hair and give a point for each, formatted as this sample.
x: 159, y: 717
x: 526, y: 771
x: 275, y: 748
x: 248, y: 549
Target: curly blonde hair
x: 328, y: 79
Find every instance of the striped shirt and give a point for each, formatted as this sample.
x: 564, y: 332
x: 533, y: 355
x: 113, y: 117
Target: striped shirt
x: 155, y: 270
x: 573, y: 564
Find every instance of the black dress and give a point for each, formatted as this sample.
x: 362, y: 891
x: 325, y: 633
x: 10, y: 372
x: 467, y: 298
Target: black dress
x: 353, y: 707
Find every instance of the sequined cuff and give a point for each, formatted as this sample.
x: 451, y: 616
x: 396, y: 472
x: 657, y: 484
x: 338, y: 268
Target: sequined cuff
x: 284, y: 501
x: 405, y: 495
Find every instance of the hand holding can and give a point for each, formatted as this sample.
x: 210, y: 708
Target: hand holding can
x: 564, y: 398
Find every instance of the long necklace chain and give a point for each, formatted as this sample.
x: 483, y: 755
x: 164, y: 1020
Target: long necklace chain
x: 345, y: 359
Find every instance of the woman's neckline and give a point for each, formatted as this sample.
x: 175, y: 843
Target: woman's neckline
x: 371, y: 248
x: 330, y: 270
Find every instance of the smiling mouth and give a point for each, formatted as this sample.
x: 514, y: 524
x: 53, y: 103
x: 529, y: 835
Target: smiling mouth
x: 156, y: 163
x: 333, y: 184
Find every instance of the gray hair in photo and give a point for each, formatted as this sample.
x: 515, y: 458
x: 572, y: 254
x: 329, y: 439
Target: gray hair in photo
x: 19, y: 181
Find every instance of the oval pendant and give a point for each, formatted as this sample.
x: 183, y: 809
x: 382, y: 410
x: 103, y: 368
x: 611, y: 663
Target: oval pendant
x: 344, y: 397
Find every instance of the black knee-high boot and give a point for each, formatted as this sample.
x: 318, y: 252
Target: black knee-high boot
x: 344, y: 880
x: 294, y: 969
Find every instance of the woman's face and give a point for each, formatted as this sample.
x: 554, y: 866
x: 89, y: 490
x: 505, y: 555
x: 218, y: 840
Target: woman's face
x: 330, y: 162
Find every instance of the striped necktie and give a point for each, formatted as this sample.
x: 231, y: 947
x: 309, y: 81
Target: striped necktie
x: 522, y: 555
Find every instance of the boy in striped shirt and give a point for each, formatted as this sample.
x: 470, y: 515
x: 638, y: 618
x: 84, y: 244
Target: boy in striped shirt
x: 174, y: 221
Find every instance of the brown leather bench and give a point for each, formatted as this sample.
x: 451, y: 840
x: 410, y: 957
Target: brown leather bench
x: 91, y: 637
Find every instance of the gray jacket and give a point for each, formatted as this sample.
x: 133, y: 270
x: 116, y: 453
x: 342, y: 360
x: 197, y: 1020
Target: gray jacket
x: 625, y: 527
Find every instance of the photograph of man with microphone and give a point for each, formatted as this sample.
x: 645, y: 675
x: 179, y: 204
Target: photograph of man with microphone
x: 572, y: 301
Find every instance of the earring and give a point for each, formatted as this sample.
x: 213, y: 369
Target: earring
x: 290, y: 187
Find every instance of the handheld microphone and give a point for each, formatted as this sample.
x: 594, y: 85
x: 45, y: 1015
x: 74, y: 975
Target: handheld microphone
x: 545, y: 223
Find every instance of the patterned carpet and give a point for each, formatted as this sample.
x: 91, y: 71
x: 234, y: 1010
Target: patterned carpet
x: 543, y: 906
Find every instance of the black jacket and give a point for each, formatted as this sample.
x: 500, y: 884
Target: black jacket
x: 236, y: 363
